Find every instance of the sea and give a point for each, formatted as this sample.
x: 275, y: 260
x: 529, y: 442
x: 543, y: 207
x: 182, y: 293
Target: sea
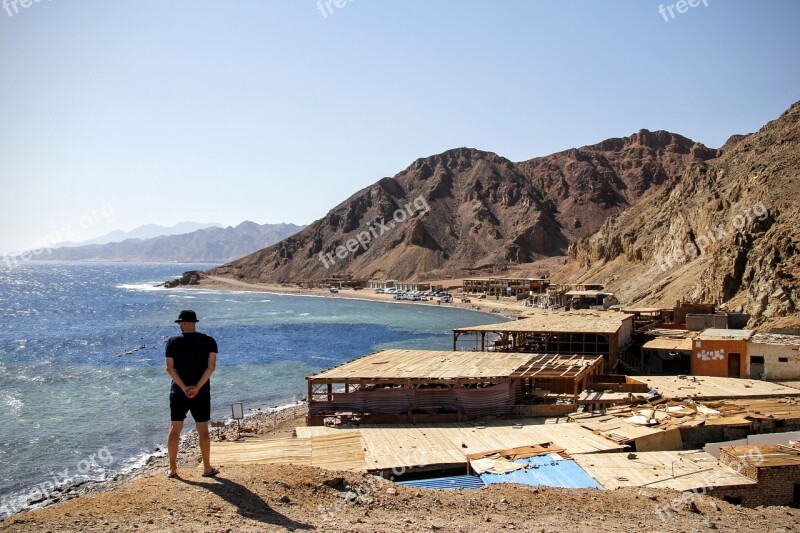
x: 83, y: 390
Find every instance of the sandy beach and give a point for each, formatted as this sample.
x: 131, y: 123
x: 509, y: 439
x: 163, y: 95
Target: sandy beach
x: 503, y: 306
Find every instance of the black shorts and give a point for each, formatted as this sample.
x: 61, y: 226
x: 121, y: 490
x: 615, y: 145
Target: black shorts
x: 200, y: 406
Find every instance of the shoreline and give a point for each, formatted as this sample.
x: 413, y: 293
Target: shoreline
x: 263, y: 421
x: 505, y: 307
x: 272, y: 422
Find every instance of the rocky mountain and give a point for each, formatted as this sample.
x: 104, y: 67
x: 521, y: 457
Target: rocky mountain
x: 468, y: 212
x: 462, y: 208
x: 589, y: 184
x: 209, y: 245
x: 725, y: 230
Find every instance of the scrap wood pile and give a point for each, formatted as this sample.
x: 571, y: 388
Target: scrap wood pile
x: 666, y: 414
x: 503, y: 461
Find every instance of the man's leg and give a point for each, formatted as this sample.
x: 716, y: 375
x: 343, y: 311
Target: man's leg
x: 173, y: 441
x: 205, y: 445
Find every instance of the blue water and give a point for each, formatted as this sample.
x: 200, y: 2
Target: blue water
x: 67, y: 389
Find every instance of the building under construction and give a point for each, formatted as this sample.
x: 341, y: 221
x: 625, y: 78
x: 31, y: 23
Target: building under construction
x: 427, y: 386
x: 585, y: 333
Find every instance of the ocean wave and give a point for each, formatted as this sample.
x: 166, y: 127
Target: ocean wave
x: 147, y: 287
x: 140, y: 460
x: 14, y: 403
x: 26, y: 377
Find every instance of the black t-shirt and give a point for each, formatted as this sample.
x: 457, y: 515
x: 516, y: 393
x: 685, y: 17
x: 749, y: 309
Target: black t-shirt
x: 190, y: 352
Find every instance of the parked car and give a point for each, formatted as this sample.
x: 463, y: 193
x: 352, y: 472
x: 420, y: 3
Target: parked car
x: 333, y: 290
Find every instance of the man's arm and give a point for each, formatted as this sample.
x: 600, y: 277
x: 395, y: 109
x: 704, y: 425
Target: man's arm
x: 174, y: 374
x: 212, y: 365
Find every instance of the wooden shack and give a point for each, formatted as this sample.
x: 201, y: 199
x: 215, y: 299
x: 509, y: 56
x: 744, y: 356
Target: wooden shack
x: 396, y: 386
x: 588, y: 333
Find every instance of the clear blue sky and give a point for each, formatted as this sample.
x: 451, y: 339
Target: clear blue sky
x: 266, y: 110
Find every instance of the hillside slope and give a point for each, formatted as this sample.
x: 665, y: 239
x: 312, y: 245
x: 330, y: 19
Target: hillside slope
x: 589, y: 184
x: 726, y: 231
x: 477, y: 212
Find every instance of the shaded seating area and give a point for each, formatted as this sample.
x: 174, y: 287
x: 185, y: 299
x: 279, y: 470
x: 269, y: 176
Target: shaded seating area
x: 587, y: 333
x: 398, y: 386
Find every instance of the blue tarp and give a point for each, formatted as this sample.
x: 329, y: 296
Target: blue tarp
x: 450, y: 482
x: 546, y: 470
x: 541, y: 470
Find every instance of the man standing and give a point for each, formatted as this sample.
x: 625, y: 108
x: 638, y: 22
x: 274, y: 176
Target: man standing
x: 191, y: 359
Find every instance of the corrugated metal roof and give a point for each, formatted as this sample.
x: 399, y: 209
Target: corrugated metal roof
x: 449, y: 482
x: 548, y: 470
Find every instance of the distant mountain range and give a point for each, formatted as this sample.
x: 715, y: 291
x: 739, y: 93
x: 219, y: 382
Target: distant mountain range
x: 148, y: 231
x: 205, y: 245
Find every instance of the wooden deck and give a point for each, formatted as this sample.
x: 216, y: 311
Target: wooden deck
x: 398, y: 446
x: 339, y: 451
x: 715, y: 388
x: 681, y: 471
x: 410, y: 446
x: 266, y: 451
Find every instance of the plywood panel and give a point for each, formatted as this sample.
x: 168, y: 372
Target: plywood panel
x: 708, y: 387
x: 665, y: 440
x: 411, y: 364
x: 407, y: 447
x: 272, y: 451
x: 674, y: 470
x: 569, y: 322
x: 342, y: 451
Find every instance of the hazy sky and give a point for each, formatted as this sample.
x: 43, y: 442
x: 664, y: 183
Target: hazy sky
x: 118, y: 113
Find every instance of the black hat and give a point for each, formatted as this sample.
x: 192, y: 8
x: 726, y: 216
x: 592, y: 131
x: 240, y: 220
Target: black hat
x: 187, y: 316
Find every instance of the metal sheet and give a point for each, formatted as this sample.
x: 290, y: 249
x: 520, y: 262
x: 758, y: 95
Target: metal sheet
x: 548, y: 470
x: 450, y: 482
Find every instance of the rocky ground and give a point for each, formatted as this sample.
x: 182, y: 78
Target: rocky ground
x: 280, y: 498
x: 287, y: 498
